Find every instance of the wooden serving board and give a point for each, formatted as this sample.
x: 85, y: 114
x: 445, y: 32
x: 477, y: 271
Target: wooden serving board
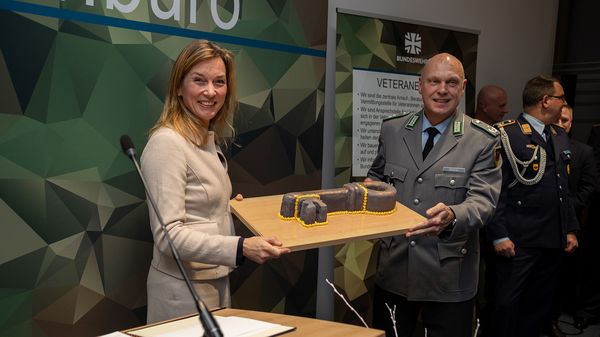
x: 260, y: 215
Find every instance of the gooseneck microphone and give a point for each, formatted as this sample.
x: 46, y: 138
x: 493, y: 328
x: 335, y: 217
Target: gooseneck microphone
x: 211, y: 328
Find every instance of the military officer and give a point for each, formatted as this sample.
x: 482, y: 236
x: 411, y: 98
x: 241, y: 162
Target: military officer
x: 535, y: 219
x: 444, y: 167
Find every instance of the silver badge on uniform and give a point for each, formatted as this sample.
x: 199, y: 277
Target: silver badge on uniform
x: 453, y: 169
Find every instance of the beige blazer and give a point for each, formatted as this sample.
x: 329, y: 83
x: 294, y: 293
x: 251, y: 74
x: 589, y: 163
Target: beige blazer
x: 192, y: 191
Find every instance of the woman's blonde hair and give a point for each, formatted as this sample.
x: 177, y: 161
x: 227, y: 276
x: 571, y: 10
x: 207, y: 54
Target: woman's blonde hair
x: 175, y: 115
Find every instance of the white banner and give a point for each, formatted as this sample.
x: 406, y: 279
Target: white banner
x: 375, y: 96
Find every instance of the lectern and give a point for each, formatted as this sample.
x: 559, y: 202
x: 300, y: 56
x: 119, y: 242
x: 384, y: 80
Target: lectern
x: 292, y: 326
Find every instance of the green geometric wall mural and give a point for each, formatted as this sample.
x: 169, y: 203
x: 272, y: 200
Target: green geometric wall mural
x: 76, y: 244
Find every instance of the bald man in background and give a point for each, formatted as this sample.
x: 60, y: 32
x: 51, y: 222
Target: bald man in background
x: 491, y: 109
x: 491, y: 104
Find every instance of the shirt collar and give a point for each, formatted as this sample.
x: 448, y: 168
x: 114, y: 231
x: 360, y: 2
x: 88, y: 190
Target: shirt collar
x: 441, y: 127
x: 537, y: 124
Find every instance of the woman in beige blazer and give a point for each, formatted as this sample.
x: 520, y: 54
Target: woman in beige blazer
x: 187, y: 174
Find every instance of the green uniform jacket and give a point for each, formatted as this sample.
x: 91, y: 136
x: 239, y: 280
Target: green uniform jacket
x: 462, y: 171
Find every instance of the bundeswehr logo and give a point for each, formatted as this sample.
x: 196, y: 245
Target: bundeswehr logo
x: 412, y: 43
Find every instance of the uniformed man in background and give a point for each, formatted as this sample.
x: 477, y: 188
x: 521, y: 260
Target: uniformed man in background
x: 535, y: 219
x: 444, y: 167
x: 491, y: 108
x: 492, y: 104
x: 582, y: 184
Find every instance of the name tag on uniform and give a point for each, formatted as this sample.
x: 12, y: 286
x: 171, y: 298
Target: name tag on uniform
x: 453, y: 169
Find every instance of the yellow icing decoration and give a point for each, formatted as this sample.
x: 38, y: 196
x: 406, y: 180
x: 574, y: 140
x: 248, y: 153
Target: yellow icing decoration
x: 362, y: 211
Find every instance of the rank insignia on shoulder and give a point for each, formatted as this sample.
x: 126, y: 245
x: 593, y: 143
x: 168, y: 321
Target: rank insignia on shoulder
x: 396, y: 115
x: 485, y: 127
x: 412, y: 121
x: 457, y: 129
x: 505, y: 123
x: 526, y: 128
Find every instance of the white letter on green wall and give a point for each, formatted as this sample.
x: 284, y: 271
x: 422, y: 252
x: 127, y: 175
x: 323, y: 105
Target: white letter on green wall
x: 128, y: 8
x: 217, y: 19
x: 173, y: 12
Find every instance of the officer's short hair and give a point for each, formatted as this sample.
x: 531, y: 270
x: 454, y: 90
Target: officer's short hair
x: 536, y: 88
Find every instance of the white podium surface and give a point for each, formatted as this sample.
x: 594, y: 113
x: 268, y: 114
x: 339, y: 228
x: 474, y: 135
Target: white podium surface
x: 231, y: 326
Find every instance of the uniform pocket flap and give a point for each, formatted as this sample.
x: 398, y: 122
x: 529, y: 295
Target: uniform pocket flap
x: 451, y: 249
x: 451, y: 180
x: 395, y: 172
x: 520, y: 200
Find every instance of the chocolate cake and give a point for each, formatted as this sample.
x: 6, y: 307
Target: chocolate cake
x: 311, y: 208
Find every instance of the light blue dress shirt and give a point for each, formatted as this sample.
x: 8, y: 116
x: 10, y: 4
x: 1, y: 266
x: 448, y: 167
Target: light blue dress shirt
x: 440, y: 127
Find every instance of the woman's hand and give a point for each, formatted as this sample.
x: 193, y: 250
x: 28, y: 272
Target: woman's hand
x: 260, y: 249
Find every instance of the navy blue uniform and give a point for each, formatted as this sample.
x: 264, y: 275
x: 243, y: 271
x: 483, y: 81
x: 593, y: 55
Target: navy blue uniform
x: 536, y: 216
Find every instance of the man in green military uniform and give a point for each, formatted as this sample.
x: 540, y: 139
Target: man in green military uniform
x: 443, y: 165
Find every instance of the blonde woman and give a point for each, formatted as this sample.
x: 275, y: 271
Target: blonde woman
x: 187, y: 174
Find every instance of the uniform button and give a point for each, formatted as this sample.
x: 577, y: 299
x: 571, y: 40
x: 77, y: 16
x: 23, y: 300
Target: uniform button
x: 416, y: 201
x: 560, y: 199
x: 519, y: 203
x: 419, y: 180
x: 559, y: 187
x: 452, y: 182
x: 463, y: 251
x: 413, y: 243
x: 558, y: 175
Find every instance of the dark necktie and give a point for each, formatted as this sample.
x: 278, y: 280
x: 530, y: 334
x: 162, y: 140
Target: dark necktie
x: 548, y: 138
x: 546, y: 133
x: 429, y: 144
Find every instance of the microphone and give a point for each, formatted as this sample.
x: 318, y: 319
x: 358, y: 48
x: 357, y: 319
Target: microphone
x: 210, y: 325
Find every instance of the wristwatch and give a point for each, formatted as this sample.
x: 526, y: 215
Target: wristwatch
x: 450, y: 226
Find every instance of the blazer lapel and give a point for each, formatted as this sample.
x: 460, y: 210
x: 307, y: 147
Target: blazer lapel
x: 537, y: 139
x: 554, y: 148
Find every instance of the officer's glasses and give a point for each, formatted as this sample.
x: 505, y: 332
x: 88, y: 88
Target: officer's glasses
x: 561, y: 97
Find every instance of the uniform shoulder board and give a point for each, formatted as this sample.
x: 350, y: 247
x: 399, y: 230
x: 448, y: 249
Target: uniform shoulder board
x: 556, y: 129
x: 485, y: 127
x: 504, y: 123
x: 396, y: 115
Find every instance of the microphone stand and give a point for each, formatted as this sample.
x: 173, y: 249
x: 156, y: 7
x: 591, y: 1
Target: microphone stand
x: 210, y: 325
